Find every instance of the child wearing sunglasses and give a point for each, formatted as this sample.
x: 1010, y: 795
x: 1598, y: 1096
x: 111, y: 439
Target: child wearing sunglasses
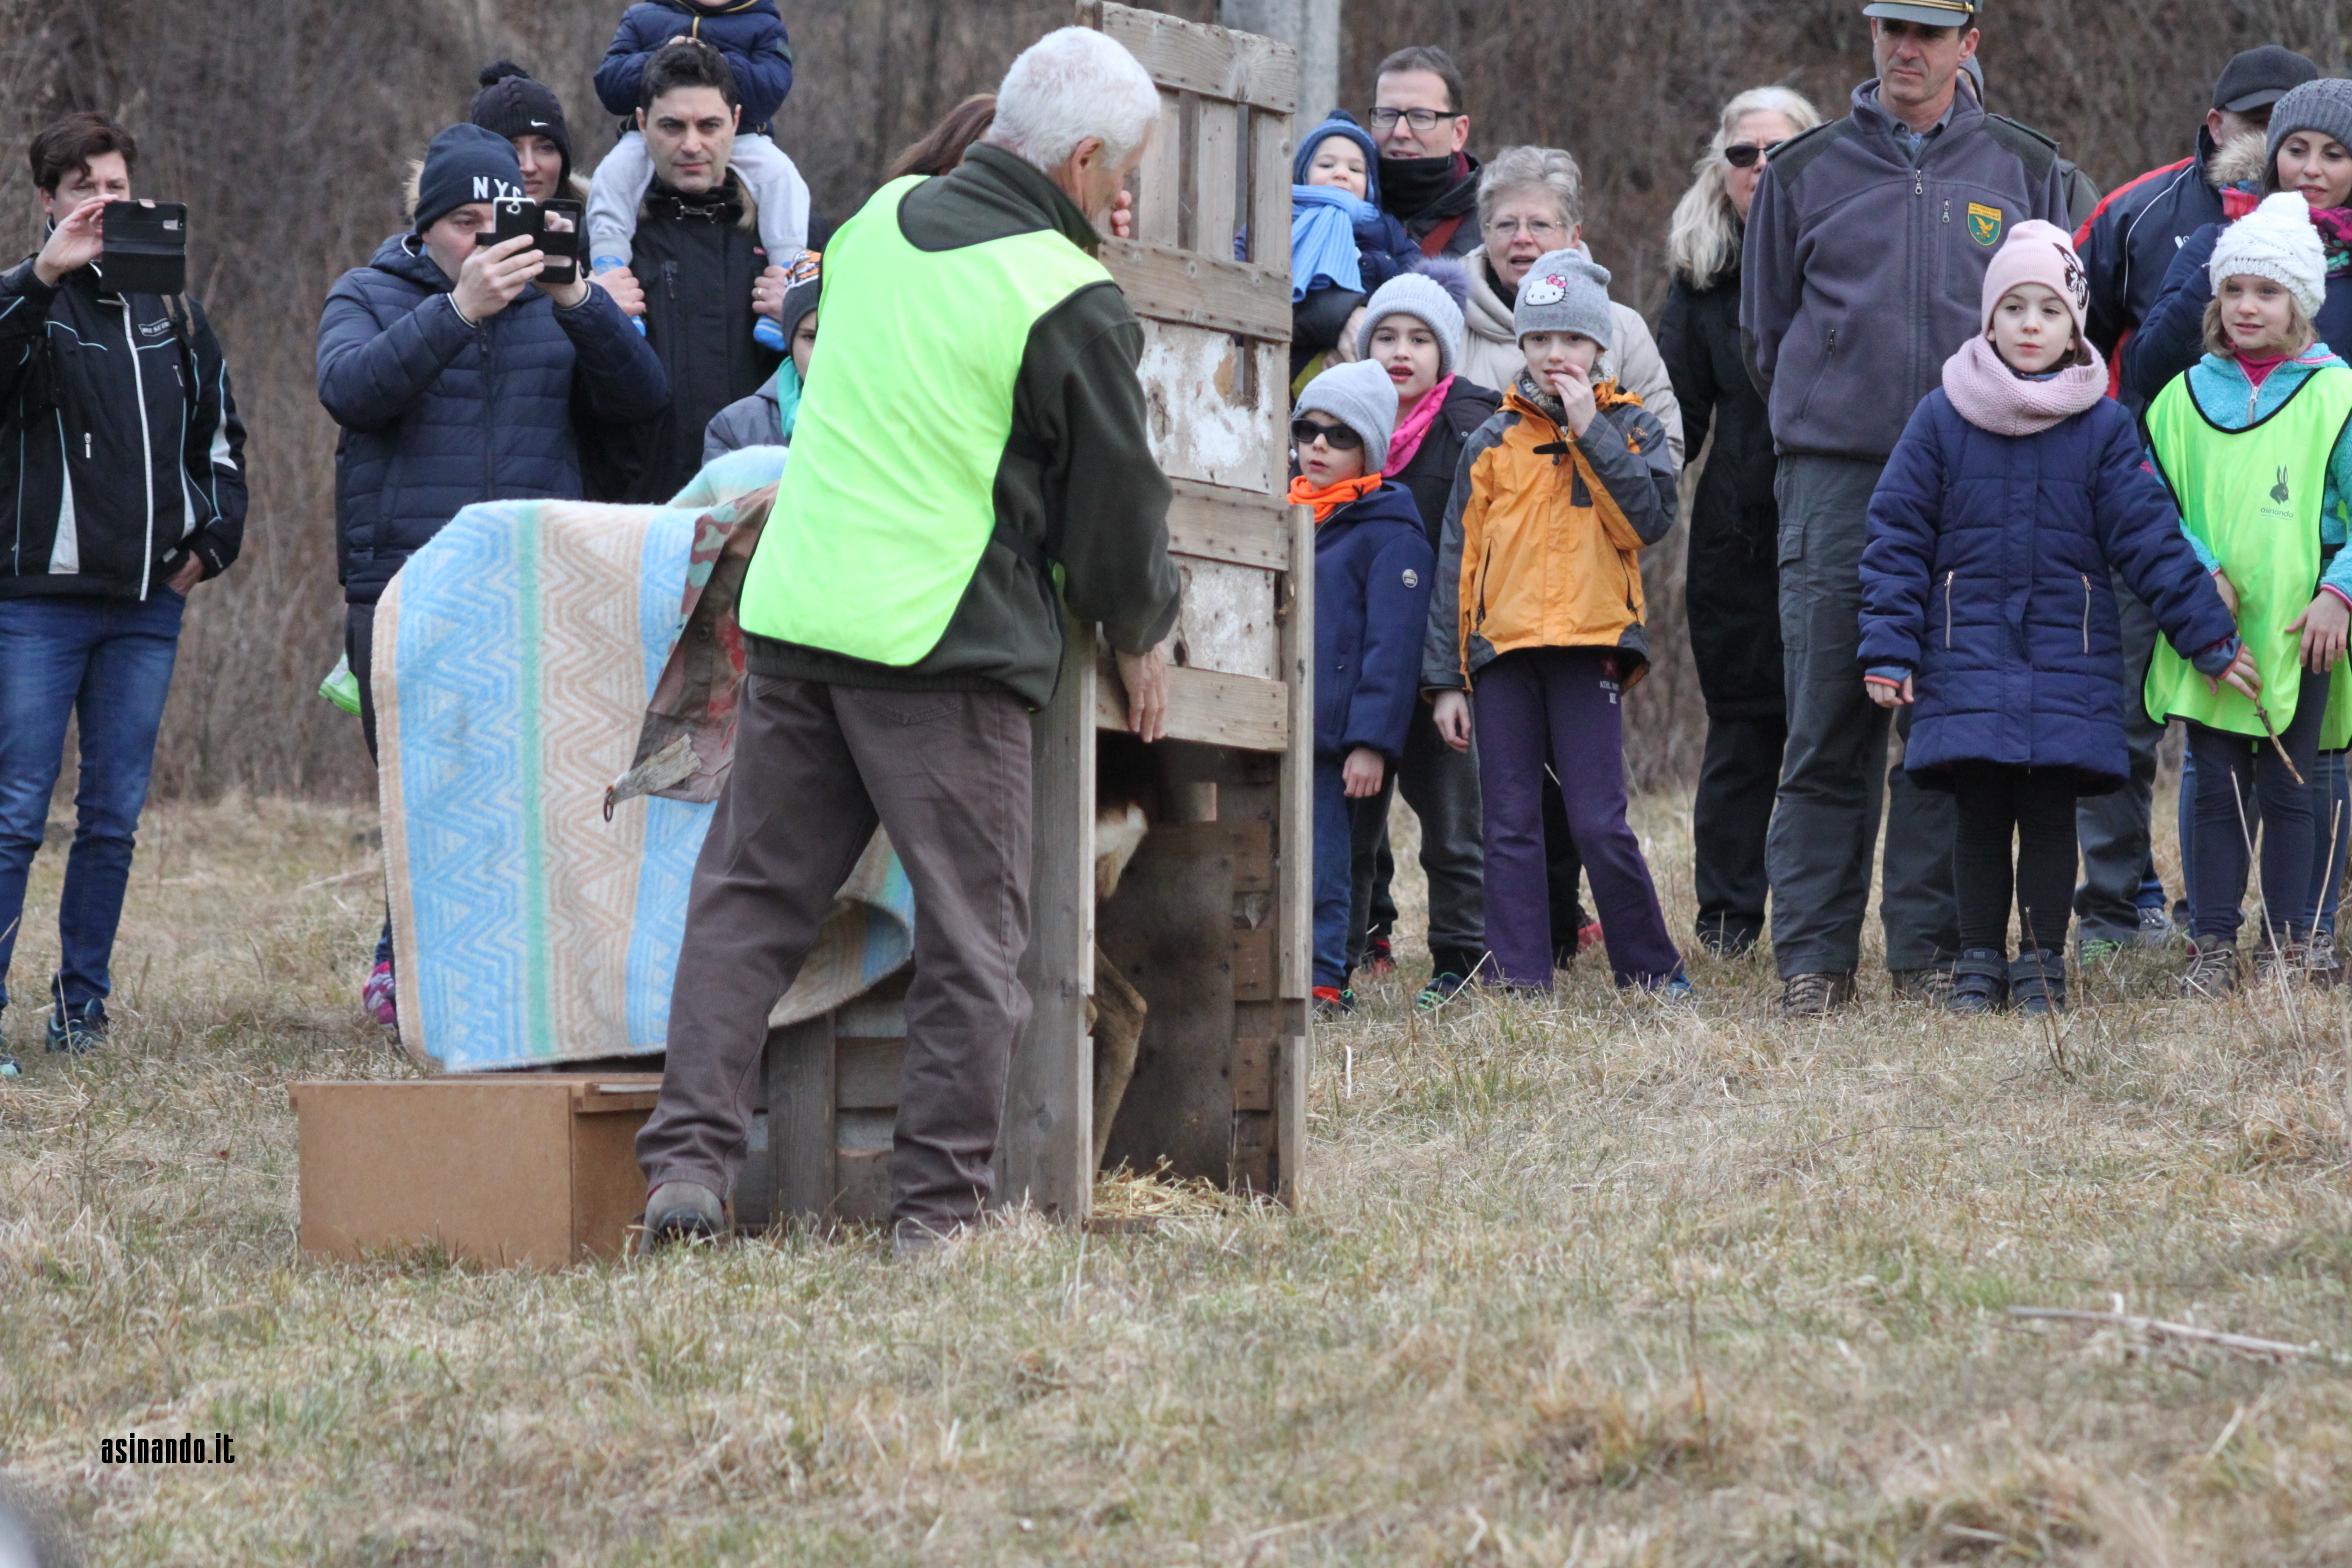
x: 1538, y: 611
x: 1372, y: 582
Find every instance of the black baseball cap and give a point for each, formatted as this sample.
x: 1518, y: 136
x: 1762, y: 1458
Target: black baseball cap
x: 2260, y: 77
x: 1926, y: 13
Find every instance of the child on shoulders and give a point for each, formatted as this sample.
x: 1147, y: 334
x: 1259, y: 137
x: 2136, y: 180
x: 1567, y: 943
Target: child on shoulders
x: 750, y: 34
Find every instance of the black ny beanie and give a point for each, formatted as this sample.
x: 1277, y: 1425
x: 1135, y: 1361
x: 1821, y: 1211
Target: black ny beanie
x: 514, y: 103
x: 465, y: 164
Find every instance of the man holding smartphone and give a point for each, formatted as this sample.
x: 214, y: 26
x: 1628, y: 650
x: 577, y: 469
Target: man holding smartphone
x: 457, y: 374
x: 122, y: 486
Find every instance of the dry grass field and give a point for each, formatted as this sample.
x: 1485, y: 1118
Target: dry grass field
x: 1593, y: 1284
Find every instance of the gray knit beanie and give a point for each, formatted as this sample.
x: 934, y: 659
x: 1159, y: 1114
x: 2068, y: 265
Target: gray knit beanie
x: 1565, y: 292
x: 1361, y: 397
x: 2324, y: 106
x: 1426, y: 301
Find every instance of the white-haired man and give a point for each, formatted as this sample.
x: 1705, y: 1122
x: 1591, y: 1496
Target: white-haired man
x: 979, y: 426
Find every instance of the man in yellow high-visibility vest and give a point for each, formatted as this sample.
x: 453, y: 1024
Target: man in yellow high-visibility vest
x: 971, y: 452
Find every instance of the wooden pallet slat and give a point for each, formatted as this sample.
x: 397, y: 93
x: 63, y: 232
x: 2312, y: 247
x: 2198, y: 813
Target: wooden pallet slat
x: 1165, y: 283
x: 1220, y: 523
x: 1270, y: 157
x: 1046, y: 1151
x: 1195, y: 57
x: 1219, y: 710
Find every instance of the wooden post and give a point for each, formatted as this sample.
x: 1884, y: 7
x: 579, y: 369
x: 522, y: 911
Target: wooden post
x: 1309, y: 26
x: 1045, y: 1147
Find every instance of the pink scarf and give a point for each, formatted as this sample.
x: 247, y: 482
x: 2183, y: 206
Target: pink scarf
x: 1994, y: 398
x: 1409, y: 435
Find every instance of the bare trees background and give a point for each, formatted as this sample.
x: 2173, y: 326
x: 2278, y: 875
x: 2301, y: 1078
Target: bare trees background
x: 286, y: 126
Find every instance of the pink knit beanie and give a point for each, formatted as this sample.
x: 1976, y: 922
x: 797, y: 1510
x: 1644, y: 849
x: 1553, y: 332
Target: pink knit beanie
x: 2042, y: 253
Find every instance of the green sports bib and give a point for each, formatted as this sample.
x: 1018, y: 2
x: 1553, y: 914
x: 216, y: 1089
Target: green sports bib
x: 2254, y: 497
x: 889, y: 500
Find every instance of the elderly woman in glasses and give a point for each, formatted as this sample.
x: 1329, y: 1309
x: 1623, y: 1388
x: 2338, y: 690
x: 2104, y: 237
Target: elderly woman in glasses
x: 1530, y: 201
x: 1732, y: 581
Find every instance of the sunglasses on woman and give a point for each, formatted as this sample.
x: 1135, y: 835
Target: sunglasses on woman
x: 1340, y: 438
x: 1743, y: 155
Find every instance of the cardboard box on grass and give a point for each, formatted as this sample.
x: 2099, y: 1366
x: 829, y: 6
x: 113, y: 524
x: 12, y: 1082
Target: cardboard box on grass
x: 534, y: 1170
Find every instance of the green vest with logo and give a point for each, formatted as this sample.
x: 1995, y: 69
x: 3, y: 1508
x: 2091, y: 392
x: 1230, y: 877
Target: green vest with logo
x: 2254, y: 497
x: 888, y: 504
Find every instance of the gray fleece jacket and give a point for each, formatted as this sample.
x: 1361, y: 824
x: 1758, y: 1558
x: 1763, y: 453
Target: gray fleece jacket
x: 1862, y: 272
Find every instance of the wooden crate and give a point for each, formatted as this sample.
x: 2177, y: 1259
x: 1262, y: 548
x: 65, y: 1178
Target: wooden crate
x: 1213, y: 921
x: 531, y: 1169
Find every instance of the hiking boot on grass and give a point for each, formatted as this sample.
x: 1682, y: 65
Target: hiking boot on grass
x: 2323, y: 965
x: 1442, y: 988
x: 1979, y: 984
x: 681, y: 1211
x: 1332, y: 1001
x: 1815, y: 996
x: 2090, y: 950
x: 2288, y: 960
x: 2212, y: 970
x: 1728, y: 939
x: 8, y: 1067
x: 1379, y: 957
x: 912, y: 1241
x: 2156, y: 927
x: 2037, y: 983
x: 77, y: 1031
x: 1452, y: 970
x: 1930, y: 985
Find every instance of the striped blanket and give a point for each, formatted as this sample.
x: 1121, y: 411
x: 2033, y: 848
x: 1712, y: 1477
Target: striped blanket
x: 514, y: 659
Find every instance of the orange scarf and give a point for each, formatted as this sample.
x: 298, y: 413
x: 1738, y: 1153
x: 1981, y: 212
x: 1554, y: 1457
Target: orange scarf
x: 1325, y: 502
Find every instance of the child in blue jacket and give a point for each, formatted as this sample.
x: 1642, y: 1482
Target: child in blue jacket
x: 751, y: 35
x: 1373, y: 571
x: 2016, y: 490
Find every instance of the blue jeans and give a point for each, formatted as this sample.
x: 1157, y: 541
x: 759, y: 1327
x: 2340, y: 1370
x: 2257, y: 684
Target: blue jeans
x: 107, y: 663
x: 1335, y: 853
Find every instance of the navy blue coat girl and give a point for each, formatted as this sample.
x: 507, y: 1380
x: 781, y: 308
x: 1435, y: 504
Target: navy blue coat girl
x: 1986, y: 577
x: 1373, y: 572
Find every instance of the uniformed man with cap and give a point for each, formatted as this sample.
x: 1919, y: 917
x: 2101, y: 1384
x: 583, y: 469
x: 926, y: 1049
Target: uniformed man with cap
x: 1866, y: 252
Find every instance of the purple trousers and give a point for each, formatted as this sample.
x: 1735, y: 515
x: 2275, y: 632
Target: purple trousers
x: 1559, y: 706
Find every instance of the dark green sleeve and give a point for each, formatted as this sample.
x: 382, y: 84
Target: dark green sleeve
x: 1105, y: 501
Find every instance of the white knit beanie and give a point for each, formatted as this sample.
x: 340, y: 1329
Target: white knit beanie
x: 2277, y: 240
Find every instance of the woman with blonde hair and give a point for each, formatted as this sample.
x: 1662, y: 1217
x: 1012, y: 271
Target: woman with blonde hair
x: 1731, y: 581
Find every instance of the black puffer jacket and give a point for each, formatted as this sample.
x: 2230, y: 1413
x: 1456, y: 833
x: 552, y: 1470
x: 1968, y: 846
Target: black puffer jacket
x: 437, y: 414
x: 697, y: 258
x: 1732, y: 585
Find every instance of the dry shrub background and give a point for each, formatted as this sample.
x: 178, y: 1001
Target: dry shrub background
x: 285, y: 124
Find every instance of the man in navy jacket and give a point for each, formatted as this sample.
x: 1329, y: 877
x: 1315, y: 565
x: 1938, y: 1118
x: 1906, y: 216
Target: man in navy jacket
x: 122, y: 486
x: 1865, y: 255
x: 456, y: 378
